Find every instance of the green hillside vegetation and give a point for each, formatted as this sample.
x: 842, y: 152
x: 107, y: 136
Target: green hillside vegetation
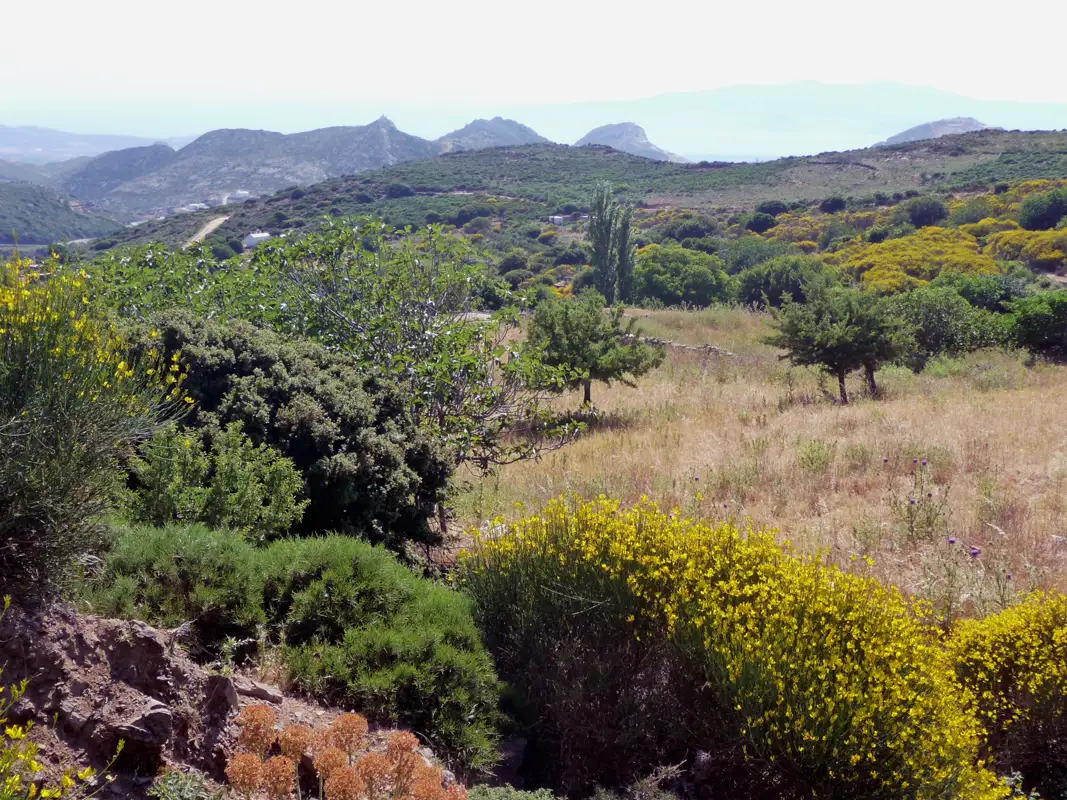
x: 35, y: 215
x: 557, y: 179
x: 313, y: 453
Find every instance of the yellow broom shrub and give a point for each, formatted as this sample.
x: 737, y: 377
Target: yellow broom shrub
x: 1015, y: 666
x: 826, y: 680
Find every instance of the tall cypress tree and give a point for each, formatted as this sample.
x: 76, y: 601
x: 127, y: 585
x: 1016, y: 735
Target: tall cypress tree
x: 625, y: 252
x: 603, y: 211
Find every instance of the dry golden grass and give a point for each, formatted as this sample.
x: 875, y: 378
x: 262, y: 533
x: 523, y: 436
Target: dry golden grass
x: 749, y: 438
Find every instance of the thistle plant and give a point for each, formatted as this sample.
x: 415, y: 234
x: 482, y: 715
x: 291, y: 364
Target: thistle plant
x: 923, y: 510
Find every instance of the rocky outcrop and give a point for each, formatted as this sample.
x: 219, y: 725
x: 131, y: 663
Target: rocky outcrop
x: 495, y: 132
x: 627, y: 138
x: 92, y: 683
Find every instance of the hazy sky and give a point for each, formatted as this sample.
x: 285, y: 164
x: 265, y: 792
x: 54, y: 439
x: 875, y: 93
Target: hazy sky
x: 165, y: 69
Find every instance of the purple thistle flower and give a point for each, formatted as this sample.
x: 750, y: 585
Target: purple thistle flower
x: 952, y: 540
x: 885, y: 459
x: 924, y: 462
x: 1008, y: 576
x: 915, y: 461
x: 976, y: 551
x: 911, y: 500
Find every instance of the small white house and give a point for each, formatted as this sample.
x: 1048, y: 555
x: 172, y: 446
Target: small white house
x: 254, y: 238
x: 556, y: 220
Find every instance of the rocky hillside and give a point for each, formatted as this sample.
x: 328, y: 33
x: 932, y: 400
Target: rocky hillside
x: 495, y: 132
x: 224, y: 162
x: 110, y: 170
x: 937, y: 129
x: 93, y: 682
x: 629, y: 138
x: 38, y: 215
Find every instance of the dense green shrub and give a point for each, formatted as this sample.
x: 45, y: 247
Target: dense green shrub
x: 633, y: 637
x: 73, y: 404
x: 357, y: 628
x: 516, y: 277
x: 878, y: 234
x: 772, y: 207
x: 361, y: 630
x: 991, y: 292
x: 181, y: 573
x: 689, y: 226
x: 921, y: 211
x: 673, y: 275
x: 706, y: 244
x: 1015, y: 664
x: 511, y: 261
x: 478, y: 225
x: 574, y: 255
x: 974, y: 210
x: 395, y: 190
x: 217, y: 477
x: 832, y: 205
x: 941, y: 322
x: 748, y: 251
x: 1041, y: 212
x: 772, y: 281
x: 366, y: 466
x: 584, y: 279
x: 1041, y: 323
x: 759, y: 222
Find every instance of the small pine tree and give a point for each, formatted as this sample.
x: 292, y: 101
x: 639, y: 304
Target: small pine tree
x: 840, y: 329
x: 590, y: 343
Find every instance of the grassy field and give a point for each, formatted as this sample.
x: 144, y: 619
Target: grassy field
x: 749, y: 438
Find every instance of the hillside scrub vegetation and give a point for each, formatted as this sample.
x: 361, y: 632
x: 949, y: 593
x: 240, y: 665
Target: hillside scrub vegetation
x: 354, y: 625
x: 651, y: 634
x: 827, y: 555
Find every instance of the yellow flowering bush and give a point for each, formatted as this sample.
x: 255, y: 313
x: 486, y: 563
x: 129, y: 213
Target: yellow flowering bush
x: 1039, y: 249
x: 989, y: 225
x: 782, y: 667
x: 908, y: 262
x: 1015, y: 665
x: 72, y: 402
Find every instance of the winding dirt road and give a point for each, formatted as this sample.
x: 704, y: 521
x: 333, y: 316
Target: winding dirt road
x: 205, y: 231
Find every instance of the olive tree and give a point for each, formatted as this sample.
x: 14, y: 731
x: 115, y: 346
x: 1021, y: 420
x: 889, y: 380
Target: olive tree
x: 840, y: 329
x: 590, y: 343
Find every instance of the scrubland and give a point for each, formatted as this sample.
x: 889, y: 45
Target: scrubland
x: 951, y: 481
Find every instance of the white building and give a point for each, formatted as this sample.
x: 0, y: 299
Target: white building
x: 556, y: 220
x: 254, y: 238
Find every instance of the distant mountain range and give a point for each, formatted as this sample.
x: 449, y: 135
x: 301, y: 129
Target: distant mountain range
x: 629, y: 138
x: 130, y: 178
x: 937, y: 129
x: 495, y: 132
x: 231, y: 164
x: 43, y: 145
x: 740, y: 122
